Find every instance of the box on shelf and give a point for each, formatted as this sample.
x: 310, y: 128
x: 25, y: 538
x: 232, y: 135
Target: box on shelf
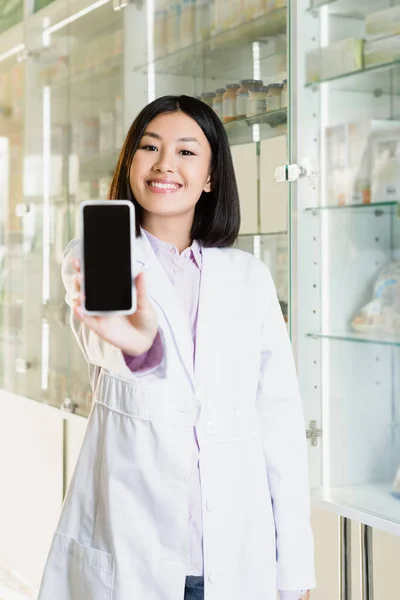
x: 383, y: 22
x: 119, y: 122
x: 385, y: 163
x: 383, y: 51
x: 104, y: 185
x: 363, y: 162
x: 344, y: 56
x: 106, y: 130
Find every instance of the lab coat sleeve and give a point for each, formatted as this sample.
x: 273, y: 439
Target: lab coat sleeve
x: 96, y: 351
x: 285, y: 448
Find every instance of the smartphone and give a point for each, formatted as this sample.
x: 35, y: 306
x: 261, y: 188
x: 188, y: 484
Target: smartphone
x: 107, y: 238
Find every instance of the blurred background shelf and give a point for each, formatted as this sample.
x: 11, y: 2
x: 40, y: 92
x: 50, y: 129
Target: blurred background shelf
x: 361, y: 338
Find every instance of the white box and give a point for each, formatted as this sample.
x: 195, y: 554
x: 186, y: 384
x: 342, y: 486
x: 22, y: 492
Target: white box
x: 357, y: 172
x: 383, y: 22
x: 380, y: 52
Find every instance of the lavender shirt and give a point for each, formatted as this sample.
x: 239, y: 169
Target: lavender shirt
x: 184, y: 272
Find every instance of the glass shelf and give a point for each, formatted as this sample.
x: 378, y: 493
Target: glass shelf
x: 381, y: 339
x: 269, y: 125
x: 220, y: 46
x: 354, y: 9
x: 11, y: 14
x: 376, y: 79
x: 371, y: 499
x: 357, y: 207
x: 59, y: 83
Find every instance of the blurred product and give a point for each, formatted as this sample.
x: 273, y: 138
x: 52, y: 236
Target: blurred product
x: 106, y: 130
x: 257, y: 101
x: 203, y: 10
x: 89, y: 136
x: 383, y: 22
x: 380, y: 52
x: 119, y: 122
x: 274, y: 93
x: 160, y: 31
x: 208, y: 98
x: 344, y: 56
x: 363, y: 162
x: 187, y: 22
x: 174, y: 27
x: 243, y: 95
x: 217, y: 101
x: 229, y: 103
x: 382, y: 314
x: 385, y: 174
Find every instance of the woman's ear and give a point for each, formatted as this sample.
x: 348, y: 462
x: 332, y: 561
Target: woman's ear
x: 207, y: 187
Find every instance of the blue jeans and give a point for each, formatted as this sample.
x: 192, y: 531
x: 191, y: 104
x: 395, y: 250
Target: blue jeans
x: 194, y: 589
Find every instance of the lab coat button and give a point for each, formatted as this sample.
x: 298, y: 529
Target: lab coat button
x: 212, y: 578
x: 210, y: 427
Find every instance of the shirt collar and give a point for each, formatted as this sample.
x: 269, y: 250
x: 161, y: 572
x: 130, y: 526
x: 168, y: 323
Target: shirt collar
x: 160, y: 247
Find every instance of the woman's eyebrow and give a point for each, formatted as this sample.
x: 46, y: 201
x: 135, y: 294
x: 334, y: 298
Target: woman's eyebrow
x: 182, y: 139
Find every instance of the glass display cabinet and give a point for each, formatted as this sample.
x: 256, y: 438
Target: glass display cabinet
x: 11, y: 177
x: 233, y: 56
x: 346, y: 244
x: 87, y: 68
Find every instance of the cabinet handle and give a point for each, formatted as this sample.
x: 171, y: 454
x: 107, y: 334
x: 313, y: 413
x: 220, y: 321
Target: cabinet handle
x: 293, y: 172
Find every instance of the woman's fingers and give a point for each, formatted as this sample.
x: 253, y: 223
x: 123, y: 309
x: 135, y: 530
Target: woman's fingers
x: 76, y: 263
x: 78, y: 282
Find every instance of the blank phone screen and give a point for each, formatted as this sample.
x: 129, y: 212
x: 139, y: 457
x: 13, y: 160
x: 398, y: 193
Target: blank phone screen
x: 107, y: 258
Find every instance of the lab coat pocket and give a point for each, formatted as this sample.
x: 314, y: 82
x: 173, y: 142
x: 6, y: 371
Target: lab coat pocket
x: 76, y: 572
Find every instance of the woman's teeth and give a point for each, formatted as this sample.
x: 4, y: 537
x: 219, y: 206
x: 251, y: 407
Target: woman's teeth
x: 164, y: 186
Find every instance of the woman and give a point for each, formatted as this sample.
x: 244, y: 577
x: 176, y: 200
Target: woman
x: 192, y: 479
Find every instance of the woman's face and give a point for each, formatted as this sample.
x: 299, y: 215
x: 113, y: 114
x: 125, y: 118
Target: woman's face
x: 171, y: 167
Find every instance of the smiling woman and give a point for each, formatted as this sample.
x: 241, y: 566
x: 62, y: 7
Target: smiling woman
x: 177, y: 169
x: 184, y: 485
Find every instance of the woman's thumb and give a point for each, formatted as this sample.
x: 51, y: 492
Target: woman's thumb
x: 141, y: 294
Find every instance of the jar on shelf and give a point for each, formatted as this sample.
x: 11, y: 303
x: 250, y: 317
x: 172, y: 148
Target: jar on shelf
x: 243, y: 95
x: 174, y: 27
x: 284, y: 95
x: 208, y: 98
x: 187, y: 22
x: 229, y: 103
x: 203, y: 19
x: 160, y: 32
x: 274, y: 96
x: 257, y: 101
x: 217, y: 102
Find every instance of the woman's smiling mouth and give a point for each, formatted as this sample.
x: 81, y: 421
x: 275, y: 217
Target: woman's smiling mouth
x: 163, y: 187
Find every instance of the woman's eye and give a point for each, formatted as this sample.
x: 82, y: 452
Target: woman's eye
x: 149, y: 148
x: 186, y: 153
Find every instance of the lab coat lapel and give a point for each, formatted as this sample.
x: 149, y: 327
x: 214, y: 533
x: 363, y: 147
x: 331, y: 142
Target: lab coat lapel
x: 161, y: 290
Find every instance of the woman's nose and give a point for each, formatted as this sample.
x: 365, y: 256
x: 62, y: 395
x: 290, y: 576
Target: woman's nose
x: 165, y: 163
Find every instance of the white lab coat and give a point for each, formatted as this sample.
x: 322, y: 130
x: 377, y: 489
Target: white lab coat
x: 123, y: 532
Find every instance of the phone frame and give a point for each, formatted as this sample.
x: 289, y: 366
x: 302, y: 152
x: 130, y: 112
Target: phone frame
x: 129, y: 204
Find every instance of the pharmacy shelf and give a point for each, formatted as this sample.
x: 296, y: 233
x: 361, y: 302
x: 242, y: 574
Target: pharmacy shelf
x: 372, y: 504
x: 9, y: 40
x: 86, y: 77
x: 354, y: 9
x: 257, y: 128
x: 376, y: 79
x: 380, y: 339
x: 218, y: 52
x: 375, y: 206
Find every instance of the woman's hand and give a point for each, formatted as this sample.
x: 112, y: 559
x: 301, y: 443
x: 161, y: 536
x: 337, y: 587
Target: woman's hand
x: 133, y: 334
x: 306, y: 596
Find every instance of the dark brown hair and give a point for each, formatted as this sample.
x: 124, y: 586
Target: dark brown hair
x: 217, y: 214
